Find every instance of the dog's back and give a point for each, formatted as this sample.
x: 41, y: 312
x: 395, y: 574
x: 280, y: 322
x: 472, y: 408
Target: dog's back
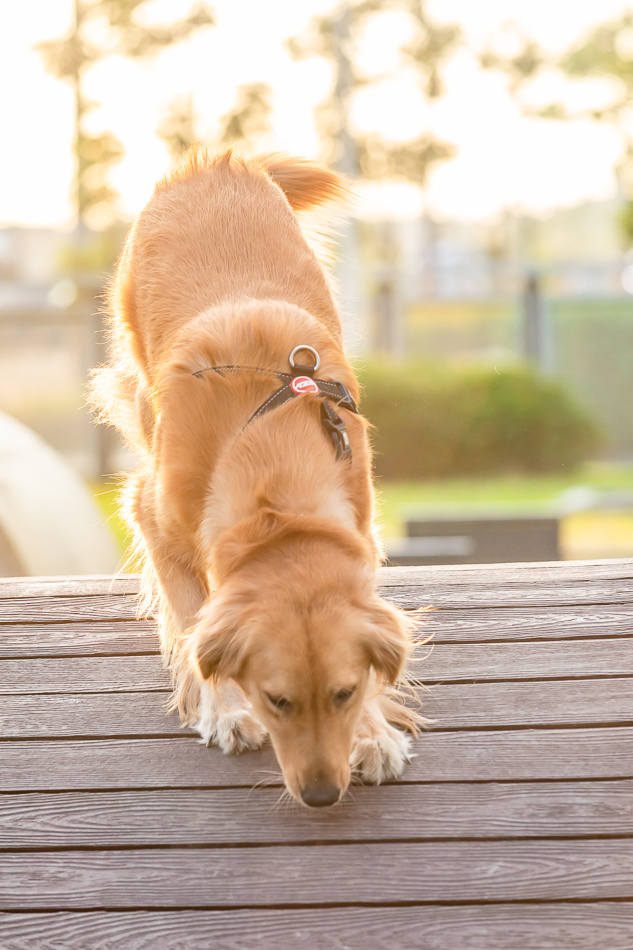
x: 217, y: 228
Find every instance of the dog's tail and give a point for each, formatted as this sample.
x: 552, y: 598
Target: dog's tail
x: 305, y: 185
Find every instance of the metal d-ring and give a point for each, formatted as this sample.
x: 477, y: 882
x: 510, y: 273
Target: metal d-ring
x: 308, y: 370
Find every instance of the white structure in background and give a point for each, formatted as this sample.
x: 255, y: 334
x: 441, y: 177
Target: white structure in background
x: 49, y: 523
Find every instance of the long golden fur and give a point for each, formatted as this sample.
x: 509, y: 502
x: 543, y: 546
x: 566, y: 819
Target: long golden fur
x: 259, y: 540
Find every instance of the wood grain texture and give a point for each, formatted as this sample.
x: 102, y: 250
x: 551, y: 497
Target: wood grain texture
x: 475, y: 625
x: 83, y: 674
x: 498, y: 575
x: 494, y: 705
x: 452, y: 706
x: 503, y: 755
x: 450, y: 626
x: 506, y: 624
x: 51, y: 609
x: 80, y: 586
x: 425, y: 873
x: 448, y: 811
x: 108, y: 638
x: 591, y: 592
x: 523, y: 790
x: 500, y: 589
x: 93, y: 714
x: 431, y: 663
x: 534, y: 661
x: 436, y: 664
x: 564, y: 926
x: 459, y: 574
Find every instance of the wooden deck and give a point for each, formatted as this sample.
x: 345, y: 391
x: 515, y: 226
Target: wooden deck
x: 512, y: 827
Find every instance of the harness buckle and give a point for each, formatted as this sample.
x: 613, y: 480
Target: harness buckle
x: 336, y: 430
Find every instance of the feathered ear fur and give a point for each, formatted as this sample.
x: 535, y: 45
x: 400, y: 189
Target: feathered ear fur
x: 304, y: 184
x: 387, y: 642
x: 221, y: 639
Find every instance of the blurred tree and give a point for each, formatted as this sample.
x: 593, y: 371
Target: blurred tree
x: 606, y: 52
x: 178, y: 127
x: 249, y: 120
x: 371, y: 156
x: 100, y: 29
x: 244, y: 125
x: 333, y: 37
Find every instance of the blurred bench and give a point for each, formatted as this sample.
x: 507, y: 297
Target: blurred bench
x: 476, y: 541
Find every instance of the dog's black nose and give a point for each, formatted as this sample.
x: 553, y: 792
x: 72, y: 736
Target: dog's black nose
x: 320, y: 794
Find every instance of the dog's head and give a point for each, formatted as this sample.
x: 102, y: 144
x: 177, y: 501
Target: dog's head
x: 304, y: 643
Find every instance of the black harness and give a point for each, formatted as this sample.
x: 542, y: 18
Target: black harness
x: 297, y: 383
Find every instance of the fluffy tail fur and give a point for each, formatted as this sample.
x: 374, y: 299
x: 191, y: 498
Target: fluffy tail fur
x: 305, y: 185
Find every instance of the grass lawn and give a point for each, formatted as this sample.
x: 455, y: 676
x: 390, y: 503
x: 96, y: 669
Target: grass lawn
x: 584, y: 534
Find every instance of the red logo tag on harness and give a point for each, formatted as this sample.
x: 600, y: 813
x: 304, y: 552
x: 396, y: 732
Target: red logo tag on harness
x: 303, y: 384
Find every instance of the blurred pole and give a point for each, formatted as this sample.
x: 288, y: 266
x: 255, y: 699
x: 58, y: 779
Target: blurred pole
x: 348, y: 265
x: 536, y: 335
x: 387, y: 303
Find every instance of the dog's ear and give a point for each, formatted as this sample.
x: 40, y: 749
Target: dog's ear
x: 220, y: 640
x: 387, y: 641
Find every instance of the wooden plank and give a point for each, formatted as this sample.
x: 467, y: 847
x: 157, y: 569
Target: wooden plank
x: 452, y: 706
x: 458, y: 574
x: 534, y: 661
x: 503, y: 755
x: 592, y: 926
x: 465, y: 871
x: 479, y: 593
x: 494, y: 705
x: 448, y: 811
x: 108, y: 638
x: 40, y: 765
x: 498, y: 575
x: 51, y: 609
x: 60, y: 715
x: 79, y: 586
x: 449, y: 626
x: 83, y: 674
x: 490, y: 594
x: 434, y: 663
x: 525, y: 623
x: 113, y: 638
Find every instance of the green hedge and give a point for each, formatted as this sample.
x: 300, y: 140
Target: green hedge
x: 432, y: 422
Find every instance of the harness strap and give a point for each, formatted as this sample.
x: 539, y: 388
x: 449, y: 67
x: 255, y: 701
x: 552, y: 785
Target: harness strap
x: 295, y: 384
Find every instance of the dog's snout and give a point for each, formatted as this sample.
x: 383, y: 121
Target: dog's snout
x: 320, y: 794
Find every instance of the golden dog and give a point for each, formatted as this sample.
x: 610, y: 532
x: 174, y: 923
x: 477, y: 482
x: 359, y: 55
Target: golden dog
x: 258, y: 525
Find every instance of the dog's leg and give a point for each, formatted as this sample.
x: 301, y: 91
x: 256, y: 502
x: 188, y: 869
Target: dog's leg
x: 182, y: 590
x: 181, y: 593
x: 226, y: 718
x: 380, y: 751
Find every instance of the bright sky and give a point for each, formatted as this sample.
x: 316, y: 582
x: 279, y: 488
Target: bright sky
x: 503, y: 160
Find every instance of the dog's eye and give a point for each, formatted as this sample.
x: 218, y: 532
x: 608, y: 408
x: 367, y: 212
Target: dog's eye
x: 343, y: 695
x: 281, y: 704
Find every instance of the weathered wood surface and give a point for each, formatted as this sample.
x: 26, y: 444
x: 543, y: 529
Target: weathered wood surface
x: 447, y: 811
x: 533, y: 926
x: 511, y: 828
x: 434, y: 663
x: 388, y: 872
x: 449, y: 705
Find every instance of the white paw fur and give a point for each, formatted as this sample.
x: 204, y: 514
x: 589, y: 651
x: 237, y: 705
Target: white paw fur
x: 380, y: 751
x: 225, y: 719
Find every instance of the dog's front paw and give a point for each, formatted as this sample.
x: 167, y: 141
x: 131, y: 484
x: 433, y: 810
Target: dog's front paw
x: 380, y: 752
x: 236, y: 731
x: 227, y: 724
